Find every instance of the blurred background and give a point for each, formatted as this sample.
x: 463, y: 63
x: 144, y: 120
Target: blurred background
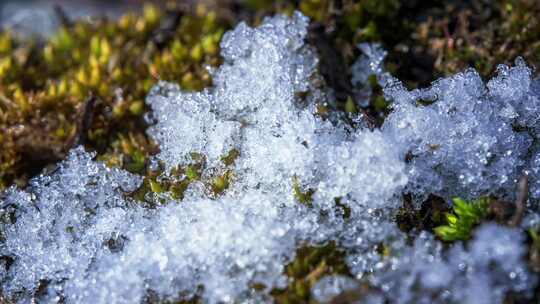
x: 42, y: 17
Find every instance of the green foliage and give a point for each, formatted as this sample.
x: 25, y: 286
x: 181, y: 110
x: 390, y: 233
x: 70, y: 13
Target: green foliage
x: 463, y: 218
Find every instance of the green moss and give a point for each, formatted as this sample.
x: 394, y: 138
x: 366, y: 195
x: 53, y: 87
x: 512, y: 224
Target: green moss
x: 463, y: 218
x: 302, y: 196
x: 221, y: 183
x: 310, y: 264
x: 177, y: 189
x: 46, y: 90
x: 193, y: 173
x: 157, y: 185
x: 350, y: 106
x: 46, y: 87
x: 230, y: 157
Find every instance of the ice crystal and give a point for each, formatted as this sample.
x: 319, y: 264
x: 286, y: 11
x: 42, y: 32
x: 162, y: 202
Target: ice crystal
x: 63, y: 221
x: 485, y: 270
x: 262, y: 105
x: 460, y: 134
x: 331, y: 286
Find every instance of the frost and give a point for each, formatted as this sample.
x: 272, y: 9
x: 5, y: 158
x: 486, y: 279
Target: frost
x: 371, y: 63
x: 77, y: 236
x: 257, y: 92
x: 63, y: 221
x: 348, y: 172
x: 331, y: 286
x: 194, y: 127
x: 489, y: 267
x: 460, y: 134
x: 225, y: 244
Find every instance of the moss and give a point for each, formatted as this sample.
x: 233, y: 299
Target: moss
x: 480, y: 35
x: 158, y: 183
x: 230, y: 157
x: 43, y: 91
x: 302, y: 196
x: 430, y: 215
x: 463, y: 218
x: 193, y: 172
x: 350, y: 106
x: 221, y: 183
x: 310, y: 265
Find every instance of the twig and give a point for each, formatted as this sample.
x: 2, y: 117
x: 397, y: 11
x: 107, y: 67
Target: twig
x: 162, y: 35
x: 62, y: 16
x: 316, y: 274
x: 521, y: 200
x: 85, y: 122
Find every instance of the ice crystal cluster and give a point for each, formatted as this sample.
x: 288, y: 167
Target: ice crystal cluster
x: 330, y: 287
x: 75, y: 235
x: 482, y: 273
x: 63, y: 222
x: 461, y: 136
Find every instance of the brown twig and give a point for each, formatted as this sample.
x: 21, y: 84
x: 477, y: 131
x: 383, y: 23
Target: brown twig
x: 85, y: 122
x: 164, y: 33
x: 521, y: 200
x: 62, y: 16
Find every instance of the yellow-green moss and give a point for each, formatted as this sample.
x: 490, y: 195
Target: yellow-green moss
x: 43, y: 91
x: 309, y: 266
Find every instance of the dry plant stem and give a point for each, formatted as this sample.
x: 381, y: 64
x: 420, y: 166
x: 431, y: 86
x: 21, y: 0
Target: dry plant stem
x: 85, y: 121
x: 522, y: 196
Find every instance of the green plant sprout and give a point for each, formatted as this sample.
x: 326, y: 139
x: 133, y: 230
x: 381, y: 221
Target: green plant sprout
x: 463, y: 218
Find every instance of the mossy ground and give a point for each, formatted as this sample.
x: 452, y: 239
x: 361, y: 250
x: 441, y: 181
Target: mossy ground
x: 86, y: 84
